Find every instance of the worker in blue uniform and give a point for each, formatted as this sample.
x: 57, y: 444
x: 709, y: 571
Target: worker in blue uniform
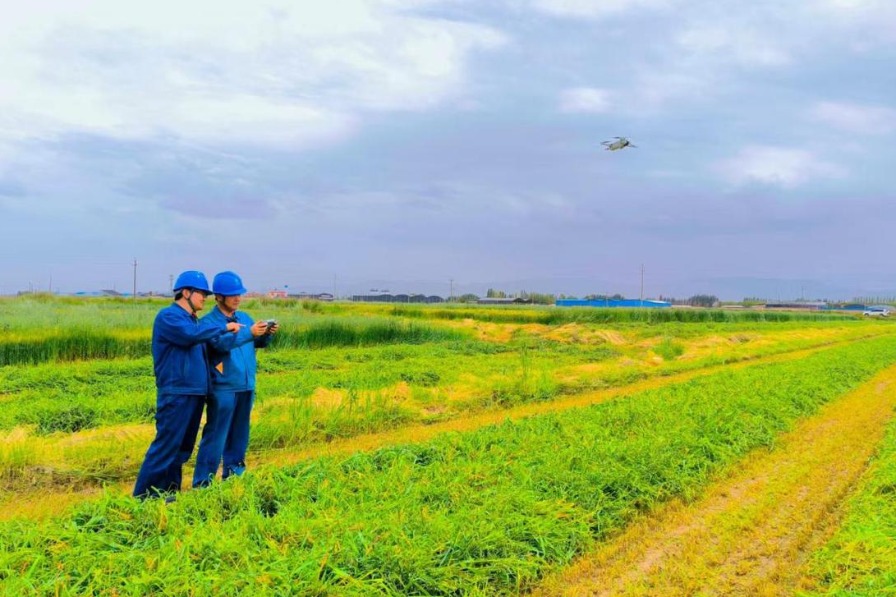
x: 182, y: 384
x: 225, y: 437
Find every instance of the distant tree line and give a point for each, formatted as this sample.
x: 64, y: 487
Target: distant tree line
x: 537, y: 298
x: 604, y: 297
x: 703, y: 300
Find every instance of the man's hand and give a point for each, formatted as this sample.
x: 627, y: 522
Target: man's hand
x: 259, y: 328
x: 234, y: 327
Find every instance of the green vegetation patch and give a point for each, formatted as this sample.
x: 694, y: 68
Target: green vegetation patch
x: 95, y: 342
x: 71, y: 345
x: 362, y: 332
x: 484, y: 512
x: 74, y: 396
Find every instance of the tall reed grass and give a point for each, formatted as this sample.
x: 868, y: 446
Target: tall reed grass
x: 362, y: 332
x: 73, y: 344
x: 86, y: 343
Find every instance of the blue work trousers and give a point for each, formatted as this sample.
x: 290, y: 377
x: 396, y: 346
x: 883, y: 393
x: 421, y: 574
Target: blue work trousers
x: 177, y: 424
x: 225, y: 435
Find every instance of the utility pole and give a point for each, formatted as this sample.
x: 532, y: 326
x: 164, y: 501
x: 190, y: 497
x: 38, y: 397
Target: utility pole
x: 135, y: 278
x: 641, y: 300
x: 451, y: 293
x: 171, y: 283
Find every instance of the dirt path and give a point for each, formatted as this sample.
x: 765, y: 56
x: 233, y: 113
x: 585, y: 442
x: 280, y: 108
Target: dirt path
x: 751, y: 532
x: 48, y: 500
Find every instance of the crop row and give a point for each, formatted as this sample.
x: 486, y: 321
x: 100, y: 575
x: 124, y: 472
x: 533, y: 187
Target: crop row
x: 484, y: 512
x: 86, y: 343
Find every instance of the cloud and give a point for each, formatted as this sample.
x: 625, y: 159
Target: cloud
x: 869, y: 22
x: 585, y: 99
x: 272, y: 73
x: 778, y: 166
x: 589, y: 9
x: 711, y: 51
x: 733, y: 42
x: 855, y: 118
x: 10, y: 187
x: 696, y: 55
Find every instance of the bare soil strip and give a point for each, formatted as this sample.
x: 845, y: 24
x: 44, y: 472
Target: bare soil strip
x: 45, y: 499
x: 751, y: 532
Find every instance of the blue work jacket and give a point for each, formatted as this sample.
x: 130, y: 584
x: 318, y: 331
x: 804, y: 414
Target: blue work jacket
x: 232, y: 356
x: 178, y: 350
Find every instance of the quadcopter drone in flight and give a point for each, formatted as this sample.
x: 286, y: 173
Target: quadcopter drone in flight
x: 619, y: 143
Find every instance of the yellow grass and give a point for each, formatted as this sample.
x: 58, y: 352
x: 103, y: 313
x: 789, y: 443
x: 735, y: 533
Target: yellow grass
x: 751, y: 532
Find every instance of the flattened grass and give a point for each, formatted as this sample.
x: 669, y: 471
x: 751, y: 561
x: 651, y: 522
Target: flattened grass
x: 860, y: 559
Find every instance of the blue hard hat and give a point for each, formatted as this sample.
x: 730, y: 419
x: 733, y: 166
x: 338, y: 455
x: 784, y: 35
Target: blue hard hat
x: 228, y: 284
x: 193, y: 280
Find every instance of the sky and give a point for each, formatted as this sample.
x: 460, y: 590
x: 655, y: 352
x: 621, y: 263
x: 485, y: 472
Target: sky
x: 451, y: 145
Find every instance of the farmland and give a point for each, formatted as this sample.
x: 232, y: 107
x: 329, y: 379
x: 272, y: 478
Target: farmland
x: 402, y: 450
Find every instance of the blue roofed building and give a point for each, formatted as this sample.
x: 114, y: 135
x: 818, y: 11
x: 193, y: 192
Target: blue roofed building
x: 627, y: 303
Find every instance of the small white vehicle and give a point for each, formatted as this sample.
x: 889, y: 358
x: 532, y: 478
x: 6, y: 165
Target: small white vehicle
x: 876, y: 312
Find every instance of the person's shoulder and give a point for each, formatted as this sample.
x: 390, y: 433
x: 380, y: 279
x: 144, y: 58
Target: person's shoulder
x: 172, y: 310
x: 214, y: 314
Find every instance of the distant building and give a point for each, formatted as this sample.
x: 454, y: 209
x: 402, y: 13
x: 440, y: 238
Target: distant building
x: 624, y: 303
x: 396, y: 298
x: 850, y: 307
x: 98, y: 293
x: 306, y: 296
x: 276, y: 294
x: 805, y: 305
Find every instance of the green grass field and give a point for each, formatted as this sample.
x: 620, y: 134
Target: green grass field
x: 475, y: 511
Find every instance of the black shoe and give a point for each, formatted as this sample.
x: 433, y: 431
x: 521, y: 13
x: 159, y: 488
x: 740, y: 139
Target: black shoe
x: 170, y: 499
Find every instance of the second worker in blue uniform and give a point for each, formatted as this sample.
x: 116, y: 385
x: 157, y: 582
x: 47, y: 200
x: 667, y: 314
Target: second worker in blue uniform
x: 232, y: 365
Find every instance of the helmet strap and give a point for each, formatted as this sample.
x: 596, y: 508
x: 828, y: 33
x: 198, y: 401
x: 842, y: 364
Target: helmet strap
x: 190, y: 302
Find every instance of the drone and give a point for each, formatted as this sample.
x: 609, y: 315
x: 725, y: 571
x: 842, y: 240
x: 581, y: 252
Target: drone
x: 619, y: 143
